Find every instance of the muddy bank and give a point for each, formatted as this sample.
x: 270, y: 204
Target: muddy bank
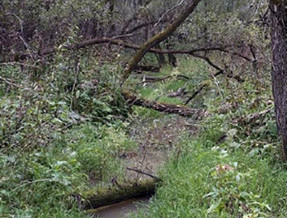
x: 158, y: 139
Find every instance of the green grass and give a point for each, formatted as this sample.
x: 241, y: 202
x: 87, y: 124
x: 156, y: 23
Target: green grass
x: 66, y: 158
x: 42, y: 182
x: 195, y: 181
x: 193, y: 68
x: 241, y: 176
x: 194, y: 187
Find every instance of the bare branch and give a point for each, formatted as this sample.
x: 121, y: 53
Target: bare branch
x: 159, y: 38
x: 159, y: 106
x: 169, y: 10
x: 144, y: 173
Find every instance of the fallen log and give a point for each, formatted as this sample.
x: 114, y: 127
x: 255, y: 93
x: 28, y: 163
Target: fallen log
x: 141, y: 68
x: 116, y: 194
x: 153, y: 78
x: 162, y: 107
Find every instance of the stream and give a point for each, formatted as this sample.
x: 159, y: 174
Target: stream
x: 122, y: 209
x: 156, y: 139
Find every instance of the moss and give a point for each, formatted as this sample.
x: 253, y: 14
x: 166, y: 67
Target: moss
x: 112, y: 195
x: 159, y: 38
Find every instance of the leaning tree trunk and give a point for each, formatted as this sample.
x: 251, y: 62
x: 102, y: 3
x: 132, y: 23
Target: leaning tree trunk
x: 159, y: 37
x: 279, y: 67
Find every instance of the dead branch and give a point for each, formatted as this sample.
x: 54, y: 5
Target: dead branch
x: 115, y: 41
x: 162, y: 107
x: 144, y: 173
x: 159, y: 79
x: 197, y: 91
x: 252, y: 117
x: 220, y: 70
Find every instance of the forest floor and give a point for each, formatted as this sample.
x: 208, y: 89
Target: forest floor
x: 225, y: 164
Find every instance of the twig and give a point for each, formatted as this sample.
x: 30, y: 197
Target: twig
x: 144, y: 173
x: 10, y: 82
x: 169, y: 10
x: 125, y: 35
x: 195, y: 94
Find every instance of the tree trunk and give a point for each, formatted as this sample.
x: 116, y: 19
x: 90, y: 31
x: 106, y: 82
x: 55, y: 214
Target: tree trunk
x: 160, y: 57
x: 279, y: 67
x: 159, y: 37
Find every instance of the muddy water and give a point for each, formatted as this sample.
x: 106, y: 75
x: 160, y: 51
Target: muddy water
x: 121, y: 210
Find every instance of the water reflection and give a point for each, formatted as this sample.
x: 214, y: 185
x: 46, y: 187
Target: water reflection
x: 122, y: 209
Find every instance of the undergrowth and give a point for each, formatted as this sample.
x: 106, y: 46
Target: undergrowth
x: 213, y: 182
x: 233, y: 167
x: 62, y: 132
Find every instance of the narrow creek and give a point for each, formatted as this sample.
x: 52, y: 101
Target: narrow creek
x: 157, y: 139
x: 122, y: 209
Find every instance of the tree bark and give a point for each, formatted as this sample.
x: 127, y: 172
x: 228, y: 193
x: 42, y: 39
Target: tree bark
x: 279, y: 67
x: 162, y: 107
x: 117, y: 194
x: 159, y: 38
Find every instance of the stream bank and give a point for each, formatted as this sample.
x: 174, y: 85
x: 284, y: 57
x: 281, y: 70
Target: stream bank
x: 157, y: 140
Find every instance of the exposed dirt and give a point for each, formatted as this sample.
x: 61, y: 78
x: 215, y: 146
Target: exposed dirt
x: 157, y: 139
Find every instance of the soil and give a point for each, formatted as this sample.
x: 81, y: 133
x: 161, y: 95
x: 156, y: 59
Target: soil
x: 157, y: 138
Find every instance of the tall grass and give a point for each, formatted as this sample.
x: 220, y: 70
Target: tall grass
x: 206, y: 182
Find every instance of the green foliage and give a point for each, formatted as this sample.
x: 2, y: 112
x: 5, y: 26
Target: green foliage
x: 60, y: 134
x: 98, y: 148
x: 229, y: 170
x: 31, y: 183
x: 27, y: 119
x: 206, y: 182
x: 64, y: 123
x: 244, y: 117
x: 52, y: 177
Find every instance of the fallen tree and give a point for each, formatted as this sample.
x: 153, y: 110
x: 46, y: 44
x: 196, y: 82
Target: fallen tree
x: 116, y: 194
x: 162, y: 107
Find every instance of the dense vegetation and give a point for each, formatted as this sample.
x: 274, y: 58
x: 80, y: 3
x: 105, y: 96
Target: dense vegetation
x: 202, y: 96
